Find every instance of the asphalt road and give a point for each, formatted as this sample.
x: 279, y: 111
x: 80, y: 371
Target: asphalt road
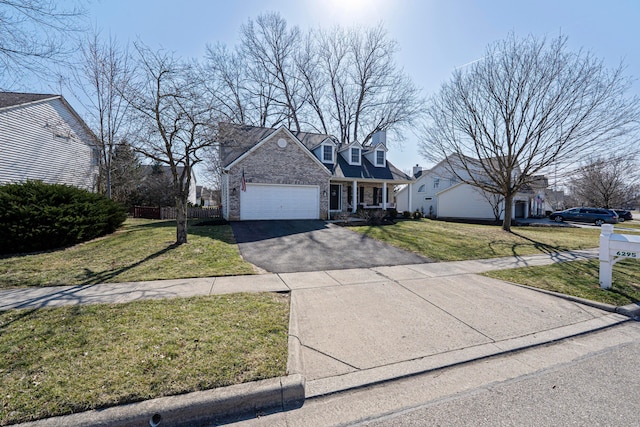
x: 298, y: 246
x: 589, y: 380
x: 601, y: 390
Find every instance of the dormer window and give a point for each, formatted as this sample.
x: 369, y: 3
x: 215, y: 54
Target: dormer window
x: 379, y: 157
x: 327, y: 154
x: 355, y: 156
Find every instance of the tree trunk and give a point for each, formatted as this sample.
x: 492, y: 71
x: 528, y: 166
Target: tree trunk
x: 508, y: 209
x: 181, y: 220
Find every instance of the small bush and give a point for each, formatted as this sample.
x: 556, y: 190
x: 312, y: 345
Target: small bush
x: 417, y: 215
x: 406, y: 214
x: 392, y: 213
x: 35, y: 216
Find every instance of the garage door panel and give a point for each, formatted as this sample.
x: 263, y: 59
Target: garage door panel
x: 262, y: 201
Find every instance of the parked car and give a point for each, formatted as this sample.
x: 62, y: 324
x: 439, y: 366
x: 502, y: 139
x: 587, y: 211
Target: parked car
x: 598, y: 216
x: 623, y: 215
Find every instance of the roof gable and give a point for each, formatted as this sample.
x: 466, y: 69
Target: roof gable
x: 271, y: 135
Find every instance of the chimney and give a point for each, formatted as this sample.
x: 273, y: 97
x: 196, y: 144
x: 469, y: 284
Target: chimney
x: 416, y: 169
x: 379, y: 137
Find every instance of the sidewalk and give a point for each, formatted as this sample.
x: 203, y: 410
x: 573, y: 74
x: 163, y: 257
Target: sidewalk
x: 353, y: 328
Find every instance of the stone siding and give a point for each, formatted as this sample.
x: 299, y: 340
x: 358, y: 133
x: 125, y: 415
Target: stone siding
x: 272, y: 164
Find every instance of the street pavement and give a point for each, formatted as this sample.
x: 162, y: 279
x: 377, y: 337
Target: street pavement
x: 353, y: 328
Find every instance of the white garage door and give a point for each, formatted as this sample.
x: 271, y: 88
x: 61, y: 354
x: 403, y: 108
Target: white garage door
x: 263, y: 201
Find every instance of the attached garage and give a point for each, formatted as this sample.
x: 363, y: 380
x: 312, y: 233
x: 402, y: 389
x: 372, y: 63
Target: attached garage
x: 268, y: 201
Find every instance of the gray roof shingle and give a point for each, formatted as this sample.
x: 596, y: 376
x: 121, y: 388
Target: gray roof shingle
x: 9, y: 99
x: 235, y: 140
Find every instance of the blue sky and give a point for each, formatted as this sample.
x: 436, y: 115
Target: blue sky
x: 434, y: 36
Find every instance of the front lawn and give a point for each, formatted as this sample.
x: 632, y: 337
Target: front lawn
x: 56, y: 361
x: 580, y: 279
x: 448, y: 241
x: 141, y: 250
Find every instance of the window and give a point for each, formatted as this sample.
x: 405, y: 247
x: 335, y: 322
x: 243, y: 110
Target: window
x: 361, y: 195
x: 379, y: 158
x: 327, y: 154
x: 355, y: 156
x: 421, y: 189
x: 95, y: 157
x: 375, y: 196
x: 436, y: 183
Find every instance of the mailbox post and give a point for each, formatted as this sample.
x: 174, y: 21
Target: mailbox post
x: 613, y: 248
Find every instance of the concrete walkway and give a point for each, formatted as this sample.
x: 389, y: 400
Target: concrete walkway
x: 352, y: 328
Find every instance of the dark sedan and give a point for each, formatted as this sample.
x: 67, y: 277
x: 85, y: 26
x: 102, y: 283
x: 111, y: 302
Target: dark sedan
x: 598, y: 216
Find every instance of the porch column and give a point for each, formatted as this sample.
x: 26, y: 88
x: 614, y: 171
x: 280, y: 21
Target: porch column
x: 384, y: 195
x: 410, y: 197
x: 354, y: 196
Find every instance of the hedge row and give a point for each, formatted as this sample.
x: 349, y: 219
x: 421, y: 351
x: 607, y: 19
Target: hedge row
x: 35, y: 216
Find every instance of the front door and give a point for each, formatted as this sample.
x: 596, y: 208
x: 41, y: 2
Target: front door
x: 335, y: 197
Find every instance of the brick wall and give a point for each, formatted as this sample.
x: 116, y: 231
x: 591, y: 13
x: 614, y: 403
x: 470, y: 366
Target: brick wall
x: 272, y: 164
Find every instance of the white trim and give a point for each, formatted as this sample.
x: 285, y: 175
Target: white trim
x: 359, y: 162
x: 226, y: 206
x: 273, y: 135
x: 333, y: 153
x: 384, y: 195
x: 354, y: 196
x: 384, y: 158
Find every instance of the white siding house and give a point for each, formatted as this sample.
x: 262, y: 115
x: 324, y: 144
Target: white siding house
x: 438, y: 193
x: 43, y: 138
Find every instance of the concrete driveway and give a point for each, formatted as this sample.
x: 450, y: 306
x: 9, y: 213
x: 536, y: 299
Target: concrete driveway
x: 299, y: 246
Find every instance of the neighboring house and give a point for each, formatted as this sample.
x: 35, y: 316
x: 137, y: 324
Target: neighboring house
x: 440, y: 193
x: 279, y: 174
x: 43, y: 138
x: 207, y: 197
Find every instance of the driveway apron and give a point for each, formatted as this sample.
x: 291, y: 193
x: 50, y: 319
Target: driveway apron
x: 301, y: 245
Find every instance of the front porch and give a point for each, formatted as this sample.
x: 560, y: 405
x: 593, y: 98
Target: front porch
x: 352, y: 196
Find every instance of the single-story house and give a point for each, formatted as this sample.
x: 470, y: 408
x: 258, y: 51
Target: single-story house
x: 440, y: 193
x: 279, y: 174
x: 43, y: 138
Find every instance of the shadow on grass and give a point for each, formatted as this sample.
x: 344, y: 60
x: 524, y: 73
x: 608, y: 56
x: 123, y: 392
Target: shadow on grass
x: 583, y: 278
x: 542, y: 247
x: 94, y: 278
x: 73, y: 295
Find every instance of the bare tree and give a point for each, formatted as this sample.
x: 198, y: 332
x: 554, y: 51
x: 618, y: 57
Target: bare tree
x: 611, y: 182
x: 354, y: 85
x: 526, y: 105
x: 174, y: 119
x: 341, y: 81
x: 269, y: 47
x: 32, y: 34
x: 104, y: 75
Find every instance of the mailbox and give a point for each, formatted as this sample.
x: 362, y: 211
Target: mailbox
x: 613, y: 248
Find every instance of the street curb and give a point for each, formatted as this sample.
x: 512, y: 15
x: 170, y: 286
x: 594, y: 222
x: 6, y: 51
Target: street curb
x: 630, y: 310
x: 192, y: 409
x: 294, y: 358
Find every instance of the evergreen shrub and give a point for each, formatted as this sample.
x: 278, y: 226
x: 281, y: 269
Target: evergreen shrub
x: 35, y: 216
